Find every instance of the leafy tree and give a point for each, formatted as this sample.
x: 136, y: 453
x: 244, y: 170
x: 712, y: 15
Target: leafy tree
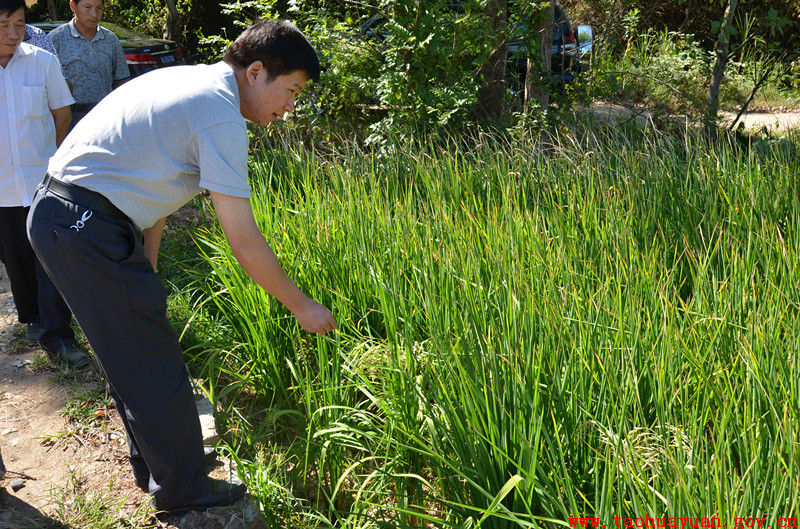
x: 433, y: 57
x: 721, y: 50
x: 491, y: 92
x: 538, y: 88
x: 404, y: 66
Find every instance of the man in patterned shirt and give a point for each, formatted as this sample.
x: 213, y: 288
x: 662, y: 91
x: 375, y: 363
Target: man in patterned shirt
x: 91, y: 56
x: 36, y: 37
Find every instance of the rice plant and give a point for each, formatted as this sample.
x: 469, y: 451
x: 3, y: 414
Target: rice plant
x: 610, y: 330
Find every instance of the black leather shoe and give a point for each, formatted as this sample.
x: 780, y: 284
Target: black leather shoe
x: 34, y: 332
x: 209, y: 459
x: 218, y: 494
x: 69, y: 355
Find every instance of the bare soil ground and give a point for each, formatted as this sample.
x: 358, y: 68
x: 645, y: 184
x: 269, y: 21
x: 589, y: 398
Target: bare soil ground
x: 775, y: 120
x: 56, y: 467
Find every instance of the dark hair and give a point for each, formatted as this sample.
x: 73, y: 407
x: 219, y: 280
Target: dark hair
x: 9, y: 7
x: 279, y: 45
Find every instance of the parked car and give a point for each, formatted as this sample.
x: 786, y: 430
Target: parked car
x: 571, y: 46
x: 142, y: 52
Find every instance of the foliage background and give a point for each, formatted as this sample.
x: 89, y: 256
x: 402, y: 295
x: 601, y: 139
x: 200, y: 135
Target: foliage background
x: 422, y: 74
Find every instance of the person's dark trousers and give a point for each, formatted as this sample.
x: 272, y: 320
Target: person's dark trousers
x: 98, y: 264
x: 54, y: 314
x: 36, y: 298
x: 20, y: 262
x: 79, y: 111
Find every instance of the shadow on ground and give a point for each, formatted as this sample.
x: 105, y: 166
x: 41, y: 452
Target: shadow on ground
x: 15, y: 513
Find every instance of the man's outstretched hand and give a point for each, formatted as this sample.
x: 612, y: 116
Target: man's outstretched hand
x: 314, y: 317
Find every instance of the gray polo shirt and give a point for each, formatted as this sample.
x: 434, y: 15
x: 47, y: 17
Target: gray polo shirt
x: 157, y: 140
x: 91, y: 66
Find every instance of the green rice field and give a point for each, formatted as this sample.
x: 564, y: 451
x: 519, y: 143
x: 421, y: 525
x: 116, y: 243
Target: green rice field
x: 607, y: 329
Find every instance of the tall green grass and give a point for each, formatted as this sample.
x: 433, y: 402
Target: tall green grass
x: 610, y: 329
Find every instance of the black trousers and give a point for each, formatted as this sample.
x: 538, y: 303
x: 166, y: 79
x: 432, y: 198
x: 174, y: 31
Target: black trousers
x: 35, y: 296
x: 98, y: 264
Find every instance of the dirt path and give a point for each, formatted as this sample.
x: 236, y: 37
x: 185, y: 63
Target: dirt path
x: 773, y: 121
x: 55, y: 465
x: 30, y: 402
x: 777, y: 120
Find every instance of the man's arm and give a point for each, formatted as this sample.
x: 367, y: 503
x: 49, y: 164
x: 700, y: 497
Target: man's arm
x: 152, y: 241
x: 120, y: 72
x: 62, y: 118
x: 259, y: 261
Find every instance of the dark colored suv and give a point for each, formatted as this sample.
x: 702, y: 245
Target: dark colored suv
x: 570, y: 47
x: 143, y: 53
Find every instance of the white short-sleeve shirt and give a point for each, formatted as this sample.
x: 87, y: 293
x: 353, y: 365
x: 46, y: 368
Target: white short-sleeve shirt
x: 30, y: 86
x: 157, y: 140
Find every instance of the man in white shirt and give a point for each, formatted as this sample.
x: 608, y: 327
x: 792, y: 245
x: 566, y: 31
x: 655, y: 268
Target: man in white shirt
x: 34, y: 119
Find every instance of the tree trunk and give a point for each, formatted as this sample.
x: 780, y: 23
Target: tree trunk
x: 493, y: 72
x: 536, y: 83
x: 51, y: 9
x: 173, y: 23
x: 721, y: 50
